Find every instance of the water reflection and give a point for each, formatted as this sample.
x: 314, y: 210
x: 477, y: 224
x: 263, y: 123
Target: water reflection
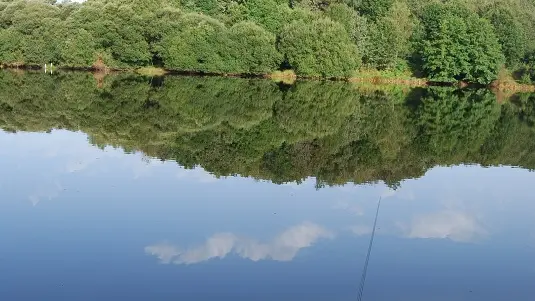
x: 157, y: 193
x: 336, y: 132
x: 457, y: 226
x: 283, y: 247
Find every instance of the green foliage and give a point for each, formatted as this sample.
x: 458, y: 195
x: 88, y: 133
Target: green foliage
x: 270, y: 14
x: 374, y: 9
x: 44, y: 44
x: 509, y: 31
x: 254, y: 48
x: 389, y: 42
x: 26, y: 16
x: 11, y: 48
x: 316, y: 37
x: 78, y: 49
x: 209, y: 7
x: 320, y: 48
x: 197, y: 43
x: 459, y: 45
x: 355, y: 25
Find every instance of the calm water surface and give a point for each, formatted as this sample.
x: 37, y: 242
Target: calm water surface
x: 201, y: 189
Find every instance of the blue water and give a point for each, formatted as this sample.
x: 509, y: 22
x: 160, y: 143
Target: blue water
x: 82, y: 223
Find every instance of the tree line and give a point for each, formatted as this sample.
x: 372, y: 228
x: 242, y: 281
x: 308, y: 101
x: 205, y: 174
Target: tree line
x: 446, y: 41
x: 337, y: 132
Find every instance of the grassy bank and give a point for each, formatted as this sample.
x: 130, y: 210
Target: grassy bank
x: 505, y: 84
x: 151, y: 71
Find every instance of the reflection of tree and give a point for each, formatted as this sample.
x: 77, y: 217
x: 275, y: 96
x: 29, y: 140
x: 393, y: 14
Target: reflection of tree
x: 333, y: 131
x: 312, y: 110
x: 455, y: 122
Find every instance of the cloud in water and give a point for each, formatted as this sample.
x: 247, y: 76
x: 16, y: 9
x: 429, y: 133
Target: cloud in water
x: 284, y: 247
x: 452, y: 225
x: 46, y: 192
x: 361, y: 230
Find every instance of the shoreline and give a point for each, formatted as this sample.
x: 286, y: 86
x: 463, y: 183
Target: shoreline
x: 289, y: 77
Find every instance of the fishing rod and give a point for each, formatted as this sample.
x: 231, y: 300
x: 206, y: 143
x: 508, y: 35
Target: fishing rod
x: 364, y: 272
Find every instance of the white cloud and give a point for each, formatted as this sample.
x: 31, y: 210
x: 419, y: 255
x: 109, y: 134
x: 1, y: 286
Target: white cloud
x: 164, y: 251
x: 47, y: 192
x: 387, y: 193
x: 361, y: 230
x: 197, y: 174
x: 451, y: 225
x: 284, y: 247
x: 355, y: 209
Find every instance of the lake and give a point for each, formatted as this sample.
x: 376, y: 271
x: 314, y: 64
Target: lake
x: 186, y: 188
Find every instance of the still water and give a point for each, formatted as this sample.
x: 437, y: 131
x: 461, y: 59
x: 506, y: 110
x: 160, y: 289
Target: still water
x: 128, y: 188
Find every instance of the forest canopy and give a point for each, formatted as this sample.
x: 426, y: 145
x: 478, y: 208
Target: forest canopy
x: 457, y: 40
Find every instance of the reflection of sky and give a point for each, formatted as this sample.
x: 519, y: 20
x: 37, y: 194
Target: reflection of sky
x: 81, y: 221
x: 283, y: 248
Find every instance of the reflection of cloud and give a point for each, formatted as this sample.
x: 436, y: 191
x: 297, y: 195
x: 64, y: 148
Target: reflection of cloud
x: 76, y: 166
x: 198, y: 174
x: 388, y: 193
x: 361, y: 230
x: 355, y: 209
x: 164, y: 251
x: 447, y: 224
x: 144, y: 167
x: 49, y: 192
x: 283, y: 248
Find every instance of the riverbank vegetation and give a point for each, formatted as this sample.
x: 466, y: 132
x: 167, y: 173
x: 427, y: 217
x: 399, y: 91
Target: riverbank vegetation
x: 445, y: 41
x: 334, y: 131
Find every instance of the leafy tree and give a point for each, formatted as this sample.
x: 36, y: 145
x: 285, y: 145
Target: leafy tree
x: 27, y: 16
x: 459, y: 45
x: 197, y: 43
x: 444, y: 40
x: 320, y: 48
x: 254, y: 48
x: 209, y: 7
x: 44, y: 44
x: 11, y: 48
x: 119, y: 28
x: 389, y: 42
x: 355, y: 25
x: 374, y: 9
x: 270, y: 14
x: 78, y: 49
x: 509, y: 31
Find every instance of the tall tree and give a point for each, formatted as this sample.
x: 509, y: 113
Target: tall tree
x: 320, y: 48
x: 459, y: 46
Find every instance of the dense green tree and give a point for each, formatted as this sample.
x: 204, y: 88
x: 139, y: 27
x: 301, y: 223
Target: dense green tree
x: 44, y: 44
x: 389, y: 42
x: 356, y: 25
x: 253, y: 48
x: 11, y: 48
x: 119, y: 28
x: 26, y: 16
x: 270, y: 14
x: 459, y: 45
x: 509, y: 31
x: 197, y: 43
x: 78, y: 49
x: 374, y: 9
x: 443, y: 40
x: 320, y: 48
